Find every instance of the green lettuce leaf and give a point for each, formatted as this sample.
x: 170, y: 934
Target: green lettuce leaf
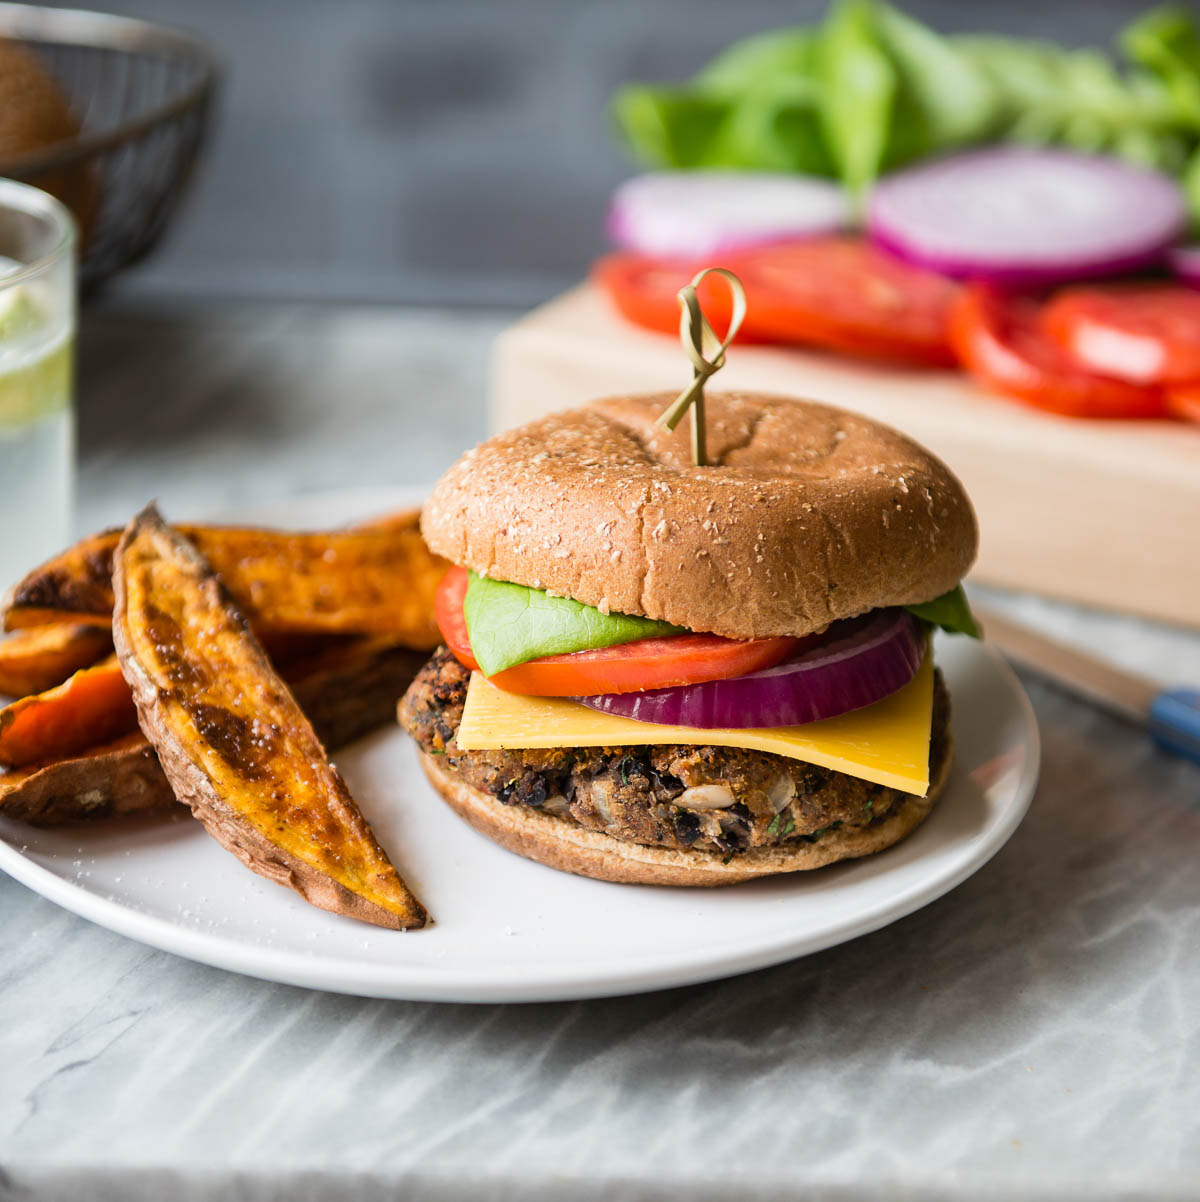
x: 774, y: 126
x: 950, y: 612
x: 895, y: 90
x: 859, y: 86
x: 870, y: 89
x: 1078, y: 98
x: 763, y: 56
x: 955, y: 99
x: 509, y: 624
x: 669, y: 127
x: 1167, y: 42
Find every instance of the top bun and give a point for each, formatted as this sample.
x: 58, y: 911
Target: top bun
x: 806, y: 514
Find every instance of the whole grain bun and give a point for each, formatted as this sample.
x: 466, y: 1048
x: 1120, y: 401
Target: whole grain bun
x: 571, y: 848
x: 807, y: 514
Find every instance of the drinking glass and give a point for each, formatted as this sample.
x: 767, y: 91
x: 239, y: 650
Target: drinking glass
x: 37, y: 330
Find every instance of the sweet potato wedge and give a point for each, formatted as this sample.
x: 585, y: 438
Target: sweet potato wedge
x: 37, y: 659
x: 346, y: 693
x: 121, y: 777
x: 231, y: 738
x: 92, y: 707
x: 376, y: 580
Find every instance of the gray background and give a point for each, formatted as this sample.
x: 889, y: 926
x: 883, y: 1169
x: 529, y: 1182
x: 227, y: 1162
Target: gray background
x: 452, y: 151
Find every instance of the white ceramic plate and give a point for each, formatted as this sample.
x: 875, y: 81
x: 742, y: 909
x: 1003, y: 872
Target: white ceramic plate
x: 507, y: 929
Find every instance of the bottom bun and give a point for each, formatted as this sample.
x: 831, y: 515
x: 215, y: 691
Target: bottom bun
x: 570, y: 848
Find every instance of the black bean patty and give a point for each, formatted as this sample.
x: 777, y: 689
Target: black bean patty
x: 658, y: 795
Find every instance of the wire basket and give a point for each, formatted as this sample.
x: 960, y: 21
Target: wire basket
x: 143, y: 96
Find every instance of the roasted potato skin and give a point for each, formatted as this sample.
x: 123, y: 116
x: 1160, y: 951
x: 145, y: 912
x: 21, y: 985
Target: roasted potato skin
x: 346, y: 694
x: 115, y: 779
x: 77, y: 581
x: 377, y: 579
x: 37, y: 659
x: 231, y: 738
x: 92, y: 706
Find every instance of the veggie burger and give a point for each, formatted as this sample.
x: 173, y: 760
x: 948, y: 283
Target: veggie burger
x: 661, y: 673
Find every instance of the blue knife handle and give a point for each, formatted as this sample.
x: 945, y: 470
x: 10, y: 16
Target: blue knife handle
x: 1175, y: 722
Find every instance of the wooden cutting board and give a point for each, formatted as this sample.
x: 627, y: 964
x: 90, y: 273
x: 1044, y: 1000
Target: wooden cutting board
x: 1104, y: 513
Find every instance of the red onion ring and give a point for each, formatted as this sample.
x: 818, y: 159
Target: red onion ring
x: 1025, y: 216
x: 697, y: 213
x: 860, y: 663
x: 1184, y: 261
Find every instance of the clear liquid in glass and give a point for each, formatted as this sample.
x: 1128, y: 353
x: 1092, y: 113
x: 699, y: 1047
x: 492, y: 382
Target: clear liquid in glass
x: 36, y: 426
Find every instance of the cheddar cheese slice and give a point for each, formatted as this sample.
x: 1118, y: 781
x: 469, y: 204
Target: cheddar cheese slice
x: 886, y: 743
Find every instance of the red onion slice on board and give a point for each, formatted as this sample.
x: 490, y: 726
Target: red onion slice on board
x: 1023, y: 216
x: 698, y: 213
x: 862, y: 662
x: 1184, y: 261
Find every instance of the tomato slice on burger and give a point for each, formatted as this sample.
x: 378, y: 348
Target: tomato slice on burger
x: 448, y: 614
x: 1000, y: 340
x: 844, y: 294
x: 839, y: 294
x: 1147, y: 333
x: 628, y: 668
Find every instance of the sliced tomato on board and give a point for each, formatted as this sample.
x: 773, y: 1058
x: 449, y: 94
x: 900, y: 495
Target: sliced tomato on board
x: 628, y: 668
x: 1000, y: 340
x: 844, y: 294
x: 1184, y: 402
x: 644, y: 289
x: 835, y: 293
x: 1147, y: 333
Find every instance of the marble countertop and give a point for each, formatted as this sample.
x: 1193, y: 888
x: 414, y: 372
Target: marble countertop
x: 1035, y: 1034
